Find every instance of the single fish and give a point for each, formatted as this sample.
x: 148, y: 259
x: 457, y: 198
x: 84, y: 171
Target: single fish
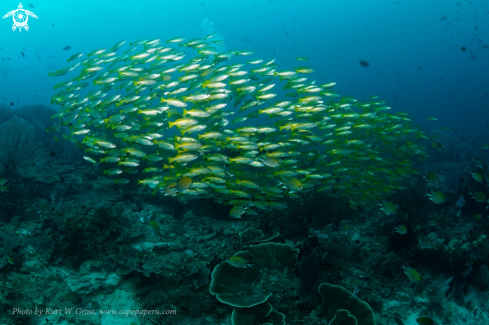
x: 155, y: 229
x: 401, y: 229
x: 239, y: 262
x: 412, y: 274
x: 460, y: 202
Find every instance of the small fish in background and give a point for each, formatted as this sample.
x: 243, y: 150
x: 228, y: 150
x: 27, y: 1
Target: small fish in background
x: 66, y: 48
x: 364, y: 63
x: 460, y: 202
x: 188, y: 251
x: 237, y: 211
x: 31, y: 5
x: 202, y: 4
x: 11, y: 103
x: 3, y: 187
x: 387, y: 207
x: 353, y: 281
x: 52, y: 153
x: 436, y: 197
x: 424, y: 320
x: 121, y: 181
x: 137, y: 208
x: 463, y: 49
x: 52, y: 24
x: 155, y: 229
x: 401, y: 229
x: 479, y: 197
x: 239, y: 262
x: 412, y: 274
x: 431, y: 178
x: 466, y: 272
x: 438, y: 146
x: 321, y: 235
x: 478, y: 177
x: 23, y: 55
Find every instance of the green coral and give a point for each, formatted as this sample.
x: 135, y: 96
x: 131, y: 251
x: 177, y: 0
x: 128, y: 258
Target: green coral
x: 337, y: 298
x: 261, y: 314
x: 343, y: 317
x: 247, y: 287
x: 250, y: 236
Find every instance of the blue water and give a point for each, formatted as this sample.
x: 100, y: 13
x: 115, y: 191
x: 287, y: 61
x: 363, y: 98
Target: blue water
x: 413, y: 47
x: 428, y: 58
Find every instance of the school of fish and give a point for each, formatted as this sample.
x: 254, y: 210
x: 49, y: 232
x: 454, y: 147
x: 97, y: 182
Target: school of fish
x: 188, y: 120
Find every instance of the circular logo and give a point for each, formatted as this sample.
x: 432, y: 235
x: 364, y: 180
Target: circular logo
x: 20, y: 18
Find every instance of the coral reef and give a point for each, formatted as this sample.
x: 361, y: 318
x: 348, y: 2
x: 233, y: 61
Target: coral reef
x: 19, y: 151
